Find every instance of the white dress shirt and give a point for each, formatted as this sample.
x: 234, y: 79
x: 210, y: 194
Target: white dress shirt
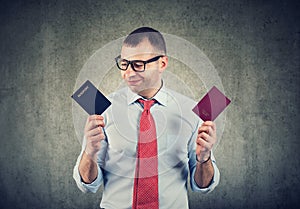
x: 176, y: 128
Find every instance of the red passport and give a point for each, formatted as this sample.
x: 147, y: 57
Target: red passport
x: 211, y: 105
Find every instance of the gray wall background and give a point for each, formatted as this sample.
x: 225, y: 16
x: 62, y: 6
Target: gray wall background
x: 254, y: 45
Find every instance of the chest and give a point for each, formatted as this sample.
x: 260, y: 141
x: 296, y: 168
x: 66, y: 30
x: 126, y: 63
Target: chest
x: 173, y: 131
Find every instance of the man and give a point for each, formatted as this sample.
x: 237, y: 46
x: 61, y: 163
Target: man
x: 148, y: 141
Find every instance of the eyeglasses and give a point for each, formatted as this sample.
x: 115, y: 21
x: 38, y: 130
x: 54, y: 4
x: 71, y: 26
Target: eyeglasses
x: 136, y: 65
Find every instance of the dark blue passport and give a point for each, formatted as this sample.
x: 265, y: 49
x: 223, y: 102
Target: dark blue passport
x: 91, y: 99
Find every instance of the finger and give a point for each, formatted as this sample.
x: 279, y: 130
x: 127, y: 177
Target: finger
x: 94, y: 123
x: 203, y: 144
x: 209, y: 138
x: 211, y: 130
x: 95, y: 117
x: 204, y: 136
x: 203, y: 129
x: 95, y: 139
x: 206, y: 129
x: 97, y: 130
x: 207, y: 145
x: 211, y: 124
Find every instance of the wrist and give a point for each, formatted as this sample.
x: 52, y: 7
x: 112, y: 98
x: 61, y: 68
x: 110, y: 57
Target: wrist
x: 203, y: 159
x: 91, y: 155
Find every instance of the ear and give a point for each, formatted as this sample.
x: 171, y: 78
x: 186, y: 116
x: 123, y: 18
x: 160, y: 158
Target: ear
x: 163, y: 63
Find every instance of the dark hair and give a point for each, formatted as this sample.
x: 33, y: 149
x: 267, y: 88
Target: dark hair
x: 153, y: 36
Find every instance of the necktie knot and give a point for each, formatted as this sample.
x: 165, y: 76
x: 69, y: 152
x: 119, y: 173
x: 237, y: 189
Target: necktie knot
x: 147, y: 104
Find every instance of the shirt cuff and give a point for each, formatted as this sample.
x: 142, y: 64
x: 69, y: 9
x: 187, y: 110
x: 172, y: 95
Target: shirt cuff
x: 87, y: 188
x: 213, y: 184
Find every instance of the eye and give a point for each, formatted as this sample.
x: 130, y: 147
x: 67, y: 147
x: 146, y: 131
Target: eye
x: 123, y: 63
x: 138, y: 65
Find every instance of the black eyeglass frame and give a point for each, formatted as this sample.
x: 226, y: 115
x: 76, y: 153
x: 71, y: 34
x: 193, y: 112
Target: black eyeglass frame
x: 131, y: 62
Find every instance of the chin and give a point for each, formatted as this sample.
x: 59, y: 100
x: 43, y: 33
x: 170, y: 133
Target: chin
x: 134, y: 89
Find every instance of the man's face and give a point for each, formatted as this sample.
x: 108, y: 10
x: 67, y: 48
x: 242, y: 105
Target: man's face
x: 148, y: 82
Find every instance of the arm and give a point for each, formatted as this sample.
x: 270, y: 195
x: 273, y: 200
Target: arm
x: 204, y: 173
x: 93, y: 132
x: 205, y: 141
x: 81, y: 184
x: 88, y: 169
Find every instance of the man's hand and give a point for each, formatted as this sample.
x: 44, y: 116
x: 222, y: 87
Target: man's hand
x: 206, y: 139
x: 94, y: 134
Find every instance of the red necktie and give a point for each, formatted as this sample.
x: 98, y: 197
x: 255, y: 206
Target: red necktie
x: 145, y: 191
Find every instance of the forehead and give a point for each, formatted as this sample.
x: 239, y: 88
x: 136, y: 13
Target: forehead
x: 142, y: 50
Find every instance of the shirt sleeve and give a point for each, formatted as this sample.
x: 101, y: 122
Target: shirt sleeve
x: 193, y: 163
x: 214, y: 182
x: 94, y: 186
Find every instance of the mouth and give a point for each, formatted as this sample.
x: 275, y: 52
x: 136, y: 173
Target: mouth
x: 133, y: 83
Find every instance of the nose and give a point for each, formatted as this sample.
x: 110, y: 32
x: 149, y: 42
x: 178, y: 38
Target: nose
x: 129, y: 72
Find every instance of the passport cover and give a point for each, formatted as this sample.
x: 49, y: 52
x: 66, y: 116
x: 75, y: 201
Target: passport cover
x: 211, y: 105
x: 91, y: 99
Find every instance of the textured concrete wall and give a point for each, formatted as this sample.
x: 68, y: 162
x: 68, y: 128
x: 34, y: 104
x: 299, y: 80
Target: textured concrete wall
x: 254, y: 46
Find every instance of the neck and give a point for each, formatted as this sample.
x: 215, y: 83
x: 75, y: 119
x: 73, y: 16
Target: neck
x: 150, y: 93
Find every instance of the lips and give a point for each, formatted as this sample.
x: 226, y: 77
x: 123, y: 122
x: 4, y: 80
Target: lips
x: 133, y: 83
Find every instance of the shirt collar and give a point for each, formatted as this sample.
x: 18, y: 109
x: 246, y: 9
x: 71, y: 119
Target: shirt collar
x: 160, y: 97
